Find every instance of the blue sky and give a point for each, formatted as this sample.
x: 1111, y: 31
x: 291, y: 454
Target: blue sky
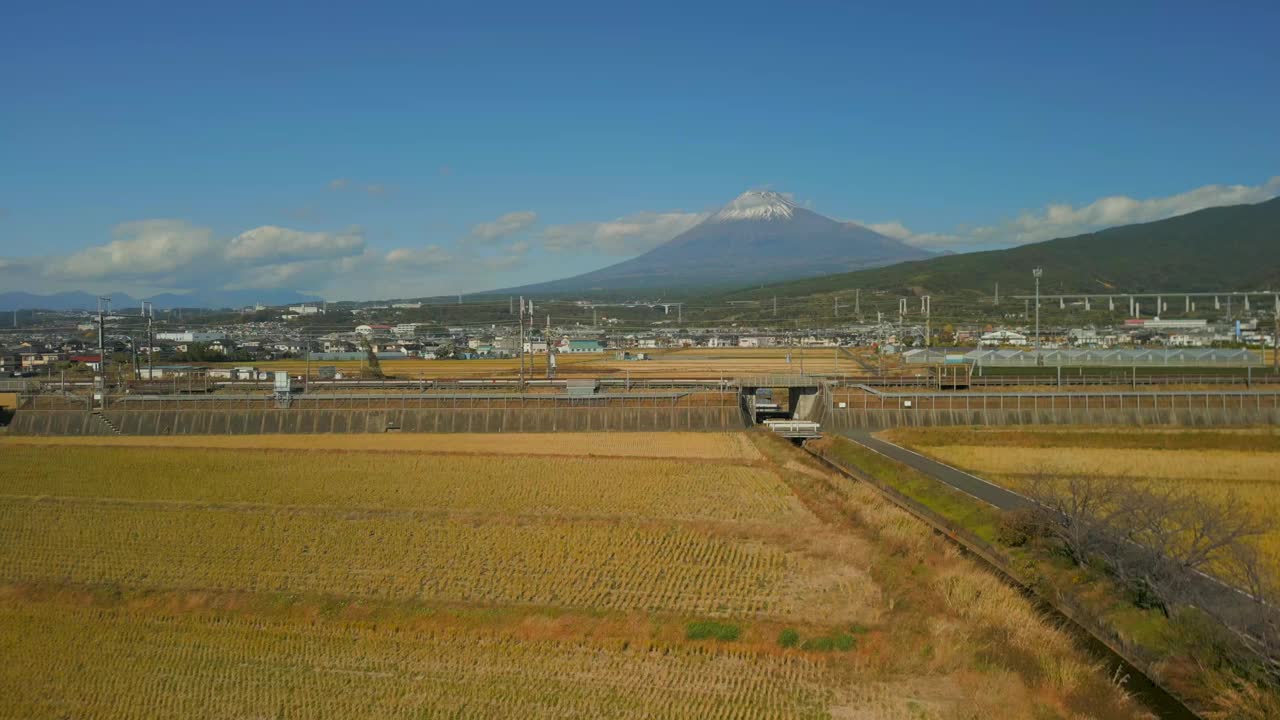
x: 374, y: 150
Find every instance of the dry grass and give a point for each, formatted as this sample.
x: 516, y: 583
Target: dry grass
x: 727, y: 446
x: 1211, y: 465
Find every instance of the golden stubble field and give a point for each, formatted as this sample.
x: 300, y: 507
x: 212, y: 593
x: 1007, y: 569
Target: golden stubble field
x: 1244, y: 462
x: 671, y: 575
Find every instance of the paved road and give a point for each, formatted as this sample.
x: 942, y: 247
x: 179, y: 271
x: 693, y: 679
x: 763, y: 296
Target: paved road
x: 1223, y: 600
x: 959, y: 479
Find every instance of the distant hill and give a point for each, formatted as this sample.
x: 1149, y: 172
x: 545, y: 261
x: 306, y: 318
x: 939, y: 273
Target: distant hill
x: 1234, y: 247
x: 209, y: 299
x: 759, y: 237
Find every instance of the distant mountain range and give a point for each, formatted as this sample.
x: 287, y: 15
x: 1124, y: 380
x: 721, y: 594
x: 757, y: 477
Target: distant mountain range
x: 759, y: 237
x: 209, y: 299
x: 1234, y: 247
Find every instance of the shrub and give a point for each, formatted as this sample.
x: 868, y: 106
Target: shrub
x: 841, y: 642
x: 1016, y: 528
x: 789, y: 638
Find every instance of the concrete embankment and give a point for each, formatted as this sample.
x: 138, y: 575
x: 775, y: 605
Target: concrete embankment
x: 440, y: 420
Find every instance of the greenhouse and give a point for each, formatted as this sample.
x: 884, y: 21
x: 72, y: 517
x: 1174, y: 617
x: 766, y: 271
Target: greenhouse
x: 1132, y: 357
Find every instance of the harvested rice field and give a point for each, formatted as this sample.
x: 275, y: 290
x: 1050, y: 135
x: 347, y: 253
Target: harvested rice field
x: 637, y: 576
x: 726, y: 446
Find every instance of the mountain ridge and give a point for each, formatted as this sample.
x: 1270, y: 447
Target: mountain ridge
x: 1230, y: 247
x: 759, y: 236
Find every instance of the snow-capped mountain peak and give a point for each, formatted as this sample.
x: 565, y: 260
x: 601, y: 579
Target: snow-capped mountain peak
x: 757, y: 205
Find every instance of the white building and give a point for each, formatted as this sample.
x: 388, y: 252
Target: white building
x: 190, y: 336
x: 997, y: 338
x: 306, y: 309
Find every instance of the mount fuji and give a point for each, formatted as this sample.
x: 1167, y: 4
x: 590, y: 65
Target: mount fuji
x: 759, y: 237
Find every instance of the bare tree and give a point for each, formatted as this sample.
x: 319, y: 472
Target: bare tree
x: 1253, y: 572
x: 1079, y: 511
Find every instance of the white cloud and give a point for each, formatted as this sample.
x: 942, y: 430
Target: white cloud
x: 174, y: 254
x: 273, y: 243
x: 1063, y: 220
x: 431, y: 256
x: 628, y: 235
x: 896, y: 230
x: 140, y: 249
x: 486, y: 233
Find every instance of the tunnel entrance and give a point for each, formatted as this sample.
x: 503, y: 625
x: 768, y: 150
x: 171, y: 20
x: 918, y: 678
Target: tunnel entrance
x: 790, y: 405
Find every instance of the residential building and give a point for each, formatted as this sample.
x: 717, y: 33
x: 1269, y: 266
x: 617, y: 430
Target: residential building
x: 191, y: 336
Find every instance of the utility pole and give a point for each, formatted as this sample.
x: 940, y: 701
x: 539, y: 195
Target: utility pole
x: 520, y: 350
x: 100, y: 382
x: 857, y: 303
x: 150, y: 311
x: 928, y: 320
x: 997, y: 302
x: 1037, y: 272
x: 133, y: 347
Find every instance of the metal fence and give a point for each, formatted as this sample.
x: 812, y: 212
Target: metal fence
x: 1054, y: 401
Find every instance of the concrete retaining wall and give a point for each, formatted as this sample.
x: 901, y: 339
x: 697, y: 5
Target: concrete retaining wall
x: 859, y: 419
x: 241, y: 422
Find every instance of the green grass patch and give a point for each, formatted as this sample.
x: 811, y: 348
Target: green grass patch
x: 789, y: 638
x: 711, y: 630
x: 953, y: 505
